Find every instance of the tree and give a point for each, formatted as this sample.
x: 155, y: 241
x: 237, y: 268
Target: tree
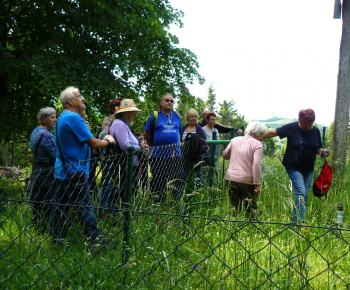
x: 195, y: 103
x: 106, y: 48
x: 182, y: 109
x: 341, y: 119
x: 211, y: 102
x: 227, y: 113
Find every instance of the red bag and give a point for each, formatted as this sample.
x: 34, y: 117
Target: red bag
x: 323, y: 182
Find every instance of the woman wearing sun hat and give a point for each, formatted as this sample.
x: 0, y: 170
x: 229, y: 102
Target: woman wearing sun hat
x: 120, y: 130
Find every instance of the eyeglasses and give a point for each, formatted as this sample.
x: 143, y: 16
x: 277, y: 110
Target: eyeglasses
x: 168, y: 100
x: 80, y: 96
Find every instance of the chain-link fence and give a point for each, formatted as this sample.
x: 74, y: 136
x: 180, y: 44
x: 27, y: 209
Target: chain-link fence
x: 123, y: 234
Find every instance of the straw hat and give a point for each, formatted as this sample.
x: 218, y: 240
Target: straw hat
x: 127, y: 105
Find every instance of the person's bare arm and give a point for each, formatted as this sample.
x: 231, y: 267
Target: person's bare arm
x: 148, y: 137
x: 271, y: 133
x: 97, y: 143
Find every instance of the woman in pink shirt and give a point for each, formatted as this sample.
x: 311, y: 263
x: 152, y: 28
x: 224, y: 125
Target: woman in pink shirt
x: 244, y: 171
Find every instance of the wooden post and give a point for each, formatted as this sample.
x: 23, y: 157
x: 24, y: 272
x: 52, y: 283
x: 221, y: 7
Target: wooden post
x: 341, y: 118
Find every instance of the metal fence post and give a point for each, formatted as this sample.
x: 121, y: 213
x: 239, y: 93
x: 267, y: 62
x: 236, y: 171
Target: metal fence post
x: 324, y: 136
x: 189, y: 175
x: 128, y: 192
x: 212, y: 163
x: 190, y: 168
x: 232, y: 132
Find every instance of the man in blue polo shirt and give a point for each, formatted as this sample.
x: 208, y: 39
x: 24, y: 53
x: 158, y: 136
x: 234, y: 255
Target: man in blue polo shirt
x: 73, y: 142
x: 164, y: 136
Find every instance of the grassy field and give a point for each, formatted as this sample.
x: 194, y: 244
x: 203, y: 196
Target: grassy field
x: 199, y: 247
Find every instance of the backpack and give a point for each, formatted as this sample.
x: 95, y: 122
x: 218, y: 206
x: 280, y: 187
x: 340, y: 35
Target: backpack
x: 323, y: 182
x: 155, y: 118
x: 96, y: 152
x: 199, y: 147
x: 103, y: 134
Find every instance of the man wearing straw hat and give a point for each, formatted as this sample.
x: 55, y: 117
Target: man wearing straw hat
x: 163, y: 133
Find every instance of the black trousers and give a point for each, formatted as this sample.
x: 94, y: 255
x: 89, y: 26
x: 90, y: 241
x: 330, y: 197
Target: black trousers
x: 167, y: 176
x: 241, y: 193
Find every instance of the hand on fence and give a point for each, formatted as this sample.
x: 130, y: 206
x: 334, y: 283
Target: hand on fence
x: 143, y: 145
x: 110, y: 139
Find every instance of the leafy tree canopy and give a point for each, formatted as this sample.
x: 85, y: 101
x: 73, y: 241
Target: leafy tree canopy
x: 106, y: 48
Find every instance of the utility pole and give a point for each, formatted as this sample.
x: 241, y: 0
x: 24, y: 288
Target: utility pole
x: 341, y: 118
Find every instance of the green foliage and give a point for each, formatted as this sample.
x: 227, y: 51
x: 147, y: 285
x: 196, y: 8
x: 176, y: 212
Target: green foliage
x: 211, y: 102
x: 105, y: 48
x: 227, y: 113
x: 182, y: 110
x: 200, y: 106
x: 269, y: 146
x: 275, y: 122
x: 194, y: 103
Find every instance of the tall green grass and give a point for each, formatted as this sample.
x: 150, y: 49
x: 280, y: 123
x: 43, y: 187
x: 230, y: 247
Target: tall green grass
x: 200, y: 246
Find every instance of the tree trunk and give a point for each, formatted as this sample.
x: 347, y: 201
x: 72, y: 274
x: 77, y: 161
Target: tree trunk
x: 13, y: 154
x: 341, y: 118
x: 27, y: 154
x: 6, y: 150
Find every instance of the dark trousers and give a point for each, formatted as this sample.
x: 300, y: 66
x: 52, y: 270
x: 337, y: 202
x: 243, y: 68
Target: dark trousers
x: 167, y: 176
x: 41, y: 192
x: 241, y: 193
x: 66, y: 199
x: 109, y: 189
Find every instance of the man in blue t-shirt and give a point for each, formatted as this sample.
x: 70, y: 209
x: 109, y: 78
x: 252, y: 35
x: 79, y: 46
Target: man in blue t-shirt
x: 303, y: 143
x: 73, y: 142
x: 164, y: 136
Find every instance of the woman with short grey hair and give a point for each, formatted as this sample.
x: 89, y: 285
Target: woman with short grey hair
x: 255, y: 129
x: 244, y: 172
x: 43, y: 147
x: 45, y: 113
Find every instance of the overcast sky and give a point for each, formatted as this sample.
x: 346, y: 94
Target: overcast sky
x: 271, y: 57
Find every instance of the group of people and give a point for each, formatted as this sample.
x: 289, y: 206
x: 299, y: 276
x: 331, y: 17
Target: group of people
x: 54, y: 194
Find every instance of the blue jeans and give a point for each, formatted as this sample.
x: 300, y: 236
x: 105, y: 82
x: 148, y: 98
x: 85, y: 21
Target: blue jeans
x: 67, y: 198
x: 301, y: 185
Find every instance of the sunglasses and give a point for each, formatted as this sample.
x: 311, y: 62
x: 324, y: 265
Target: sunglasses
x: 168, y: 100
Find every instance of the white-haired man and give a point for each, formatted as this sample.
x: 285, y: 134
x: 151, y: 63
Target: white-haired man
x: 73, y: 142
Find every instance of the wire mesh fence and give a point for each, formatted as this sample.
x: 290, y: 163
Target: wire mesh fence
x: 123, y: 235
